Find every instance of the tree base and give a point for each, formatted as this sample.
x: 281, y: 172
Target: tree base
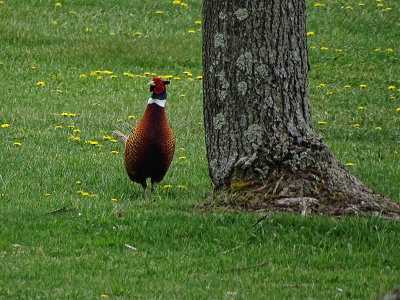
x: 304, y: 194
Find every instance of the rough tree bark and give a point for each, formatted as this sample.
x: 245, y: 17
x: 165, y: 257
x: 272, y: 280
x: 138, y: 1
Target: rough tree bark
x: 261, y: 146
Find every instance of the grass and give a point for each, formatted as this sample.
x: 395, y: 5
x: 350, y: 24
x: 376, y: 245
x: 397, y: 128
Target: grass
x: 181, y: 252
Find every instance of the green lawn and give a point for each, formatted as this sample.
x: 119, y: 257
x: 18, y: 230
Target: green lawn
x: 70, y: 73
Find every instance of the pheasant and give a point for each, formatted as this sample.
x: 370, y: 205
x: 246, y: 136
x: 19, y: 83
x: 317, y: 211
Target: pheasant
x: 150, y: 146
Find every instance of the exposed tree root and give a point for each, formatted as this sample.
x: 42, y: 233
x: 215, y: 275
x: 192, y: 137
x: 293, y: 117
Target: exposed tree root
x: 305, y: 194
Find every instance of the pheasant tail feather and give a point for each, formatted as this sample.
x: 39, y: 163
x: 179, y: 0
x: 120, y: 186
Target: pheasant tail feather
x: 122, y: 137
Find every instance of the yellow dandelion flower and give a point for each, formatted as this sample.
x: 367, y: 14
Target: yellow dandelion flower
x: 54, y: 22
x: 77, y: 130
x: 329, y: 93
x: 181, y: 148
x: 198, y: 22
x: 361, y: 107
x: 114, y: 152
x: 191, y: 31
x: 95, y: 103
x: 349, y: 7
x: 76, y: 138
x: 181, y: 186
x: 199, y: 77
x: 17, y: 144
x: 182, y: 95
x: 119, y: 120
x: 389, y: 50
x: 350, y: 164
x: 70, y: 126
x: 71, y: 115
x: 398, y: 109
x: 79, y: 191
x: 339, y: 50
x: 321, y: 122
x: 182, y: 157
x: 104, y: 296
x: 88, y: 29
x: 363, y: 85
x: 159, y: 12
x: 167, y: 186
x: 136, y: 33
x: 93, y: 195
x: 319, y: 4
x: 377, y: 49
x: 310, y: 33
x: 200, y: 123
x: 347, y: 86
x: 58, y: 126
x: 114, y: 140
x: 114, y: 199
x: 59, y: 91
x: 5, y: 125
x: 183, y: 4
x: 40, y: 83
x: 47, y: 194
x: 58, y: 4
x: 78, y: 182
x: 380, y: 5
x: 391, y: 87
x: 82, y: 75
x: 106, y: 137
x: 361, y: 4
x: 356, y: 125
x: 176, y: 2
x: 324, y: 48
x: 85, y: 194
x: 378, y: 128
x: 131, y: 117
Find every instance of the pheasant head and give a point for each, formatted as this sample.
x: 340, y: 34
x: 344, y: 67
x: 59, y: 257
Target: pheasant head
x: 157, y: 87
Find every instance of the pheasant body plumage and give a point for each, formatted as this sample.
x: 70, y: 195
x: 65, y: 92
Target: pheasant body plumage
x: 150, y: 146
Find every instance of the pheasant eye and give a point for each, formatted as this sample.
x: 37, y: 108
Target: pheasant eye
x: 159, y: 89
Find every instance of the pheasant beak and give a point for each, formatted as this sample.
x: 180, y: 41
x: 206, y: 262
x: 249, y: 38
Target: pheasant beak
x: 152, y: 85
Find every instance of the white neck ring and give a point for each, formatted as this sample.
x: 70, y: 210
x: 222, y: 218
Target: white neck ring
x: 156, y: 101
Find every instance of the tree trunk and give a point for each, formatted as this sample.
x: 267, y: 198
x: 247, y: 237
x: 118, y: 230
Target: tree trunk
x: 259, y: 136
